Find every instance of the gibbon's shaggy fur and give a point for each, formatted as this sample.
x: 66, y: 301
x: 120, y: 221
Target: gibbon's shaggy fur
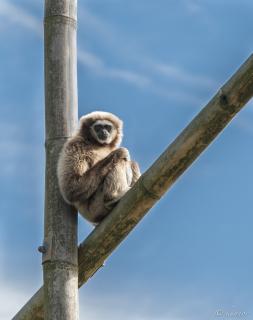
x: 93, y: 172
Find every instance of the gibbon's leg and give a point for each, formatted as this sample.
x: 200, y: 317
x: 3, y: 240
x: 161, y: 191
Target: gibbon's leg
x: 84, y: 187
x: 117, y: 182
x: 115, y: 185
x: 108, y: 192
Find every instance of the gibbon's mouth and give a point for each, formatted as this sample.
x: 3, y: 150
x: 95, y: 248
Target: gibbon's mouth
x: 104, y: 140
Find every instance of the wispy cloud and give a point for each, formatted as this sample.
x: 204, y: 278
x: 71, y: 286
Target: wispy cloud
x: 153, y: 73
x: 149, y: 78
x: 140, y: 80
x: 97, y: 65
x: 17, y: 15
x: 177, y: 74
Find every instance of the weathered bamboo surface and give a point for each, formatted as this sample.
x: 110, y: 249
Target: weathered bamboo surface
x: 60, y: 264
x: 202, y: 130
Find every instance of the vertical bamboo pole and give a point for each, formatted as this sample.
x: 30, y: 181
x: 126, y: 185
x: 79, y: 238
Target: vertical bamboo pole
x: 60, y: 228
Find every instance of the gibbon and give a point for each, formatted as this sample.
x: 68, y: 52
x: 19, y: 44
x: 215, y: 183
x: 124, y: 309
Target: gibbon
x: 93, y: 172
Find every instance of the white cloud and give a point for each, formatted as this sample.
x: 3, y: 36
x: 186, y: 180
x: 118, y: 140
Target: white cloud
x: 17, y: 15
x: 90, y: 60
x: 177, y: 95
x: 96, y: 64
x: 142, y: 80
x: 138, y: 79
x: 106, y: 31
x: 179, y: 75
x: 151, y: 68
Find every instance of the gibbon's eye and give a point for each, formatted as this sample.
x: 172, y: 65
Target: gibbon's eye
x: 98, y: 127
x: 108, y: 127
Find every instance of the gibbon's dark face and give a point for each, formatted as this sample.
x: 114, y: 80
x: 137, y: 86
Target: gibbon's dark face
x: 103, y: 131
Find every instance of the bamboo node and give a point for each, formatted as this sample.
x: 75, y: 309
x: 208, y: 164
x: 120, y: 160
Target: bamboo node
x: 148, y: 192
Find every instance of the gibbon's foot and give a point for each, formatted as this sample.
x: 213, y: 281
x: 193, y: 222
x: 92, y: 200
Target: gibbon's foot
x: 110, y: 204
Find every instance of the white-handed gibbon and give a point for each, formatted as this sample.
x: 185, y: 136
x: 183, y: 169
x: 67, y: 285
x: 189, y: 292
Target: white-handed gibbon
x: 93, y: 172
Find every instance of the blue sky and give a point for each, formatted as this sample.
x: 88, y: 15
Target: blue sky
x: 155, y: 64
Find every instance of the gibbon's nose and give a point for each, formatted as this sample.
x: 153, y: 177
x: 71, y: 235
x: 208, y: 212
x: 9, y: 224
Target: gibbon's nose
x: 103, y: 134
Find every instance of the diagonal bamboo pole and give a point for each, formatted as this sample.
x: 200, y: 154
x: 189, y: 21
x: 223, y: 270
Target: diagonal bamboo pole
x: 60, y: 265
x: 156, y: 180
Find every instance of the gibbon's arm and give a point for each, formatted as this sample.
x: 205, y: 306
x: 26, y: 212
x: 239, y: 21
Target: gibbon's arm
x: 93, y: 177
x: 86, y: 185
